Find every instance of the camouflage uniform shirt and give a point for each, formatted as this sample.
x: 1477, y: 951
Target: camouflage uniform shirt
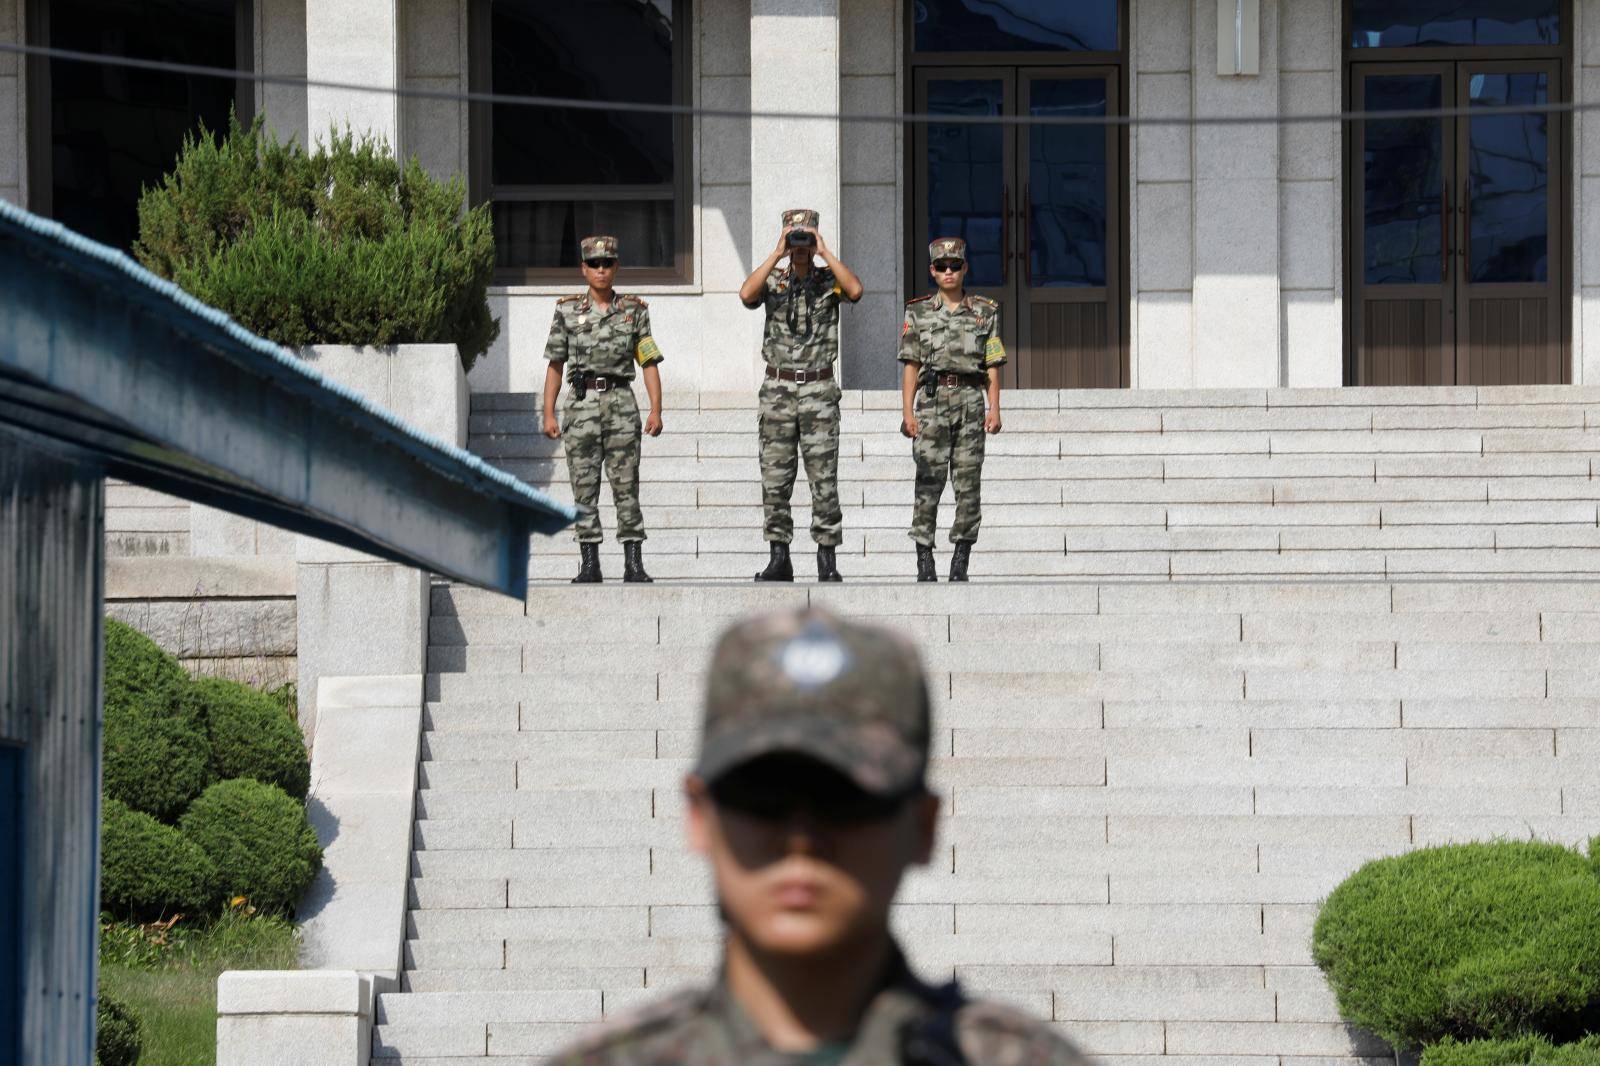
x: 908, y: 1023
x: 609, y: 342
x: 960, y: 340
x: 802, y: 331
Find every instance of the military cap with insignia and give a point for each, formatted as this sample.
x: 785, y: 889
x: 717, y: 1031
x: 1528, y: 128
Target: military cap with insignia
x: 947, y: 248
x: 801, y: 216
x: 852, y: 697
x: 598, y: 247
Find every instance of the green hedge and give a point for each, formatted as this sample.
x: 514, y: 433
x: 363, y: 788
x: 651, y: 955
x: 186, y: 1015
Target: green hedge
x: 155, y: 753
x: 252, y: 736
x: 149, y: 870
x: 343, y: 245
x: 259, y: 838
x: 119, y: 1035
x: 1525, y: 1051
x: 1470, y: 941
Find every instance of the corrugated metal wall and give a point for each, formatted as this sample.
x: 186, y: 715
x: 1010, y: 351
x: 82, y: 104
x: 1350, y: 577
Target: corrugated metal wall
x: 51, y: 566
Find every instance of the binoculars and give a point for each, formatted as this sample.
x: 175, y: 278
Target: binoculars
x: 801, y: 239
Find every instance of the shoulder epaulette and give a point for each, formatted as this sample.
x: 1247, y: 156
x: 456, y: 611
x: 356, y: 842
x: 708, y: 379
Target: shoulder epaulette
x: 633, y: 299
x: 985, y: 301
x: 569, y: 299
x: 919, y: 299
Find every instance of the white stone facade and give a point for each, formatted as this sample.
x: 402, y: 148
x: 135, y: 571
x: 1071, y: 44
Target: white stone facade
x: 1223, y: 291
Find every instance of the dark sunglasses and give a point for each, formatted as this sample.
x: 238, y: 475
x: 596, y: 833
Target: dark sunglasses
x: 776, y: 792
x: 600, y: 264
x: 940, y: 266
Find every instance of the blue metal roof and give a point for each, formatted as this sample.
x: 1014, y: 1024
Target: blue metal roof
x: 78, y: 341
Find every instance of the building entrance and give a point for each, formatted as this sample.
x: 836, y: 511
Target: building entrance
x: 1041, y: 207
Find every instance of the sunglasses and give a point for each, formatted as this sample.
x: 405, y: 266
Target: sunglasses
x: 776, y: 792
x: 600, y: 264
x: 942, y: 266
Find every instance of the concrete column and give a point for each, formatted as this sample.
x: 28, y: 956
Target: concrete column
x: 1237, y: 313
x: 353, y: 41
x: 794, y: 66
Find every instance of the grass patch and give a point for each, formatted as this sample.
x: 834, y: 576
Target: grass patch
x: 167, y: 972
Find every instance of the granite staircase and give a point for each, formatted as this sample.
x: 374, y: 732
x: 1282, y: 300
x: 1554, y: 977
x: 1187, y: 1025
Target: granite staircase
x: 1220, y: 649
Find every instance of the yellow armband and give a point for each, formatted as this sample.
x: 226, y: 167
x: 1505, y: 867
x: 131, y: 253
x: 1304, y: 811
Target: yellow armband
x: 647, y: 352
x: 993, y: 352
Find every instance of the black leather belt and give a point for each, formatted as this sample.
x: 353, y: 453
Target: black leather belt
x: 800, y: 377
x: 600, y: 382
x: 951, y: 381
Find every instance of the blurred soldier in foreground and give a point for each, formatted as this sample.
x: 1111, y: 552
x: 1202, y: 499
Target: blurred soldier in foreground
x: 809, y: 802
x: 799, y: 402
x: 598, y: 338
x: 950, y: 392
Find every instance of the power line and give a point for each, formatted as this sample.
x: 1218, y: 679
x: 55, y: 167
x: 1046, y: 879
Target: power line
x: 899, y: 118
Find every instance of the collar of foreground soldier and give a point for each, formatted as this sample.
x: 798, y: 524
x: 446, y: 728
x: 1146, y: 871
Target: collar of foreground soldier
x: 901, y: 997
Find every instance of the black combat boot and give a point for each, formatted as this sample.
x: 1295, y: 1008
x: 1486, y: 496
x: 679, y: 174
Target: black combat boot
x: 827, y: 568
x: 958, y: 560
x: 779, y: 568
x: 925, y: 570
x: 633, y: 564
x: 589, y: 572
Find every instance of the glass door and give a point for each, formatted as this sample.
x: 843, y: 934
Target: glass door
x: 1040, y: 208
x: 1456, y: 226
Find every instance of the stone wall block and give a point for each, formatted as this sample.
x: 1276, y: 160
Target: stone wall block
x: 1166, y: 227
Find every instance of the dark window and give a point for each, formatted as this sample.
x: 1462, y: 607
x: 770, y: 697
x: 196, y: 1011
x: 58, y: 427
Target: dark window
x: 1015, y: 25
x: 115, y: 130
x: 1404, y: 178
x: 554, y: 176
x: 1508, y: 180
x: 1067, y: 209
x: 1425, y: 23
x: 966, y: 173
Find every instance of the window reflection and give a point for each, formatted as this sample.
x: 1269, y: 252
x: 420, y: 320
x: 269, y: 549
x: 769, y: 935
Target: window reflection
x: 1403, y: 163
x: 1015, y: 25
x: 1424, y: 23
x: 1067, y: 186
x: 966, y: 173
x: 1508, y: 179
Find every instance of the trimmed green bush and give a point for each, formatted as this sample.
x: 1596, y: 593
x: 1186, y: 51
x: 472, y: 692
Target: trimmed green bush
x: 251, y: 736
x: 149, y: 870
x: 155, y: 755
x: 260, y: 840
x: 118, y: 1035
x: 1525, y: 1051
x: 1493, y: 941
x: 343, y: 245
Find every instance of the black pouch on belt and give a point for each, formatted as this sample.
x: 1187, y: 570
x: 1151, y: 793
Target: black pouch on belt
x: 579, y: 389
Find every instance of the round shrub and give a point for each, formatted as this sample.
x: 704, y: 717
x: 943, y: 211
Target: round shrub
x: 149, y: 870
x: 339, y: 245
x: 260, y: 840
x: 1494, y: 941
x: 1524, y: 1051
x: 119, y: 1035
x: 251, y: 736
x: 155, y: 757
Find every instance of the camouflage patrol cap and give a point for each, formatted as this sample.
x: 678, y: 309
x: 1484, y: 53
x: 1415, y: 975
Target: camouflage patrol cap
x: 947, y: 248
x: 850, y: 696
x: 801, y: 216
x: 598, y: 248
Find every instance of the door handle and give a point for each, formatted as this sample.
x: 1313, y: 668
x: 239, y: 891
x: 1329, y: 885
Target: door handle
x: 1005, y: 233
x: 1444, y: 232
x: 1027, y: 234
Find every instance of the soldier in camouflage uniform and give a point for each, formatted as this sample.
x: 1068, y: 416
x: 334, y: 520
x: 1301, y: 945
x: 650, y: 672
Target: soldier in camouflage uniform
x: 809, y: 801
x: 597, y: 339
x: 799, y: 402
x: 950, y: 392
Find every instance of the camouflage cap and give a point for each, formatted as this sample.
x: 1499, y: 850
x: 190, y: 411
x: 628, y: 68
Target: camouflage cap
x: 850, y: 696
x: 598, y: 248
x: 801, y: 216
x: 947, y: 248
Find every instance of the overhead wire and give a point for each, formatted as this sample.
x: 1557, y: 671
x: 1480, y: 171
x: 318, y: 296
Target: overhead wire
x: 695, y: 111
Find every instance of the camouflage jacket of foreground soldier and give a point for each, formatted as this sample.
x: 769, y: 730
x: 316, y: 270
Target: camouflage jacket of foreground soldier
x: 610, y: 342
x: 802, y: 327
x: 908, y: 1023
x: 960, y: 340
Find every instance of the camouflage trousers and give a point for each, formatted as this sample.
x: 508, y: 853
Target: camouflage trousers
x: 800, y: 421
x: 603, y: 429
x: 948, y: 444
